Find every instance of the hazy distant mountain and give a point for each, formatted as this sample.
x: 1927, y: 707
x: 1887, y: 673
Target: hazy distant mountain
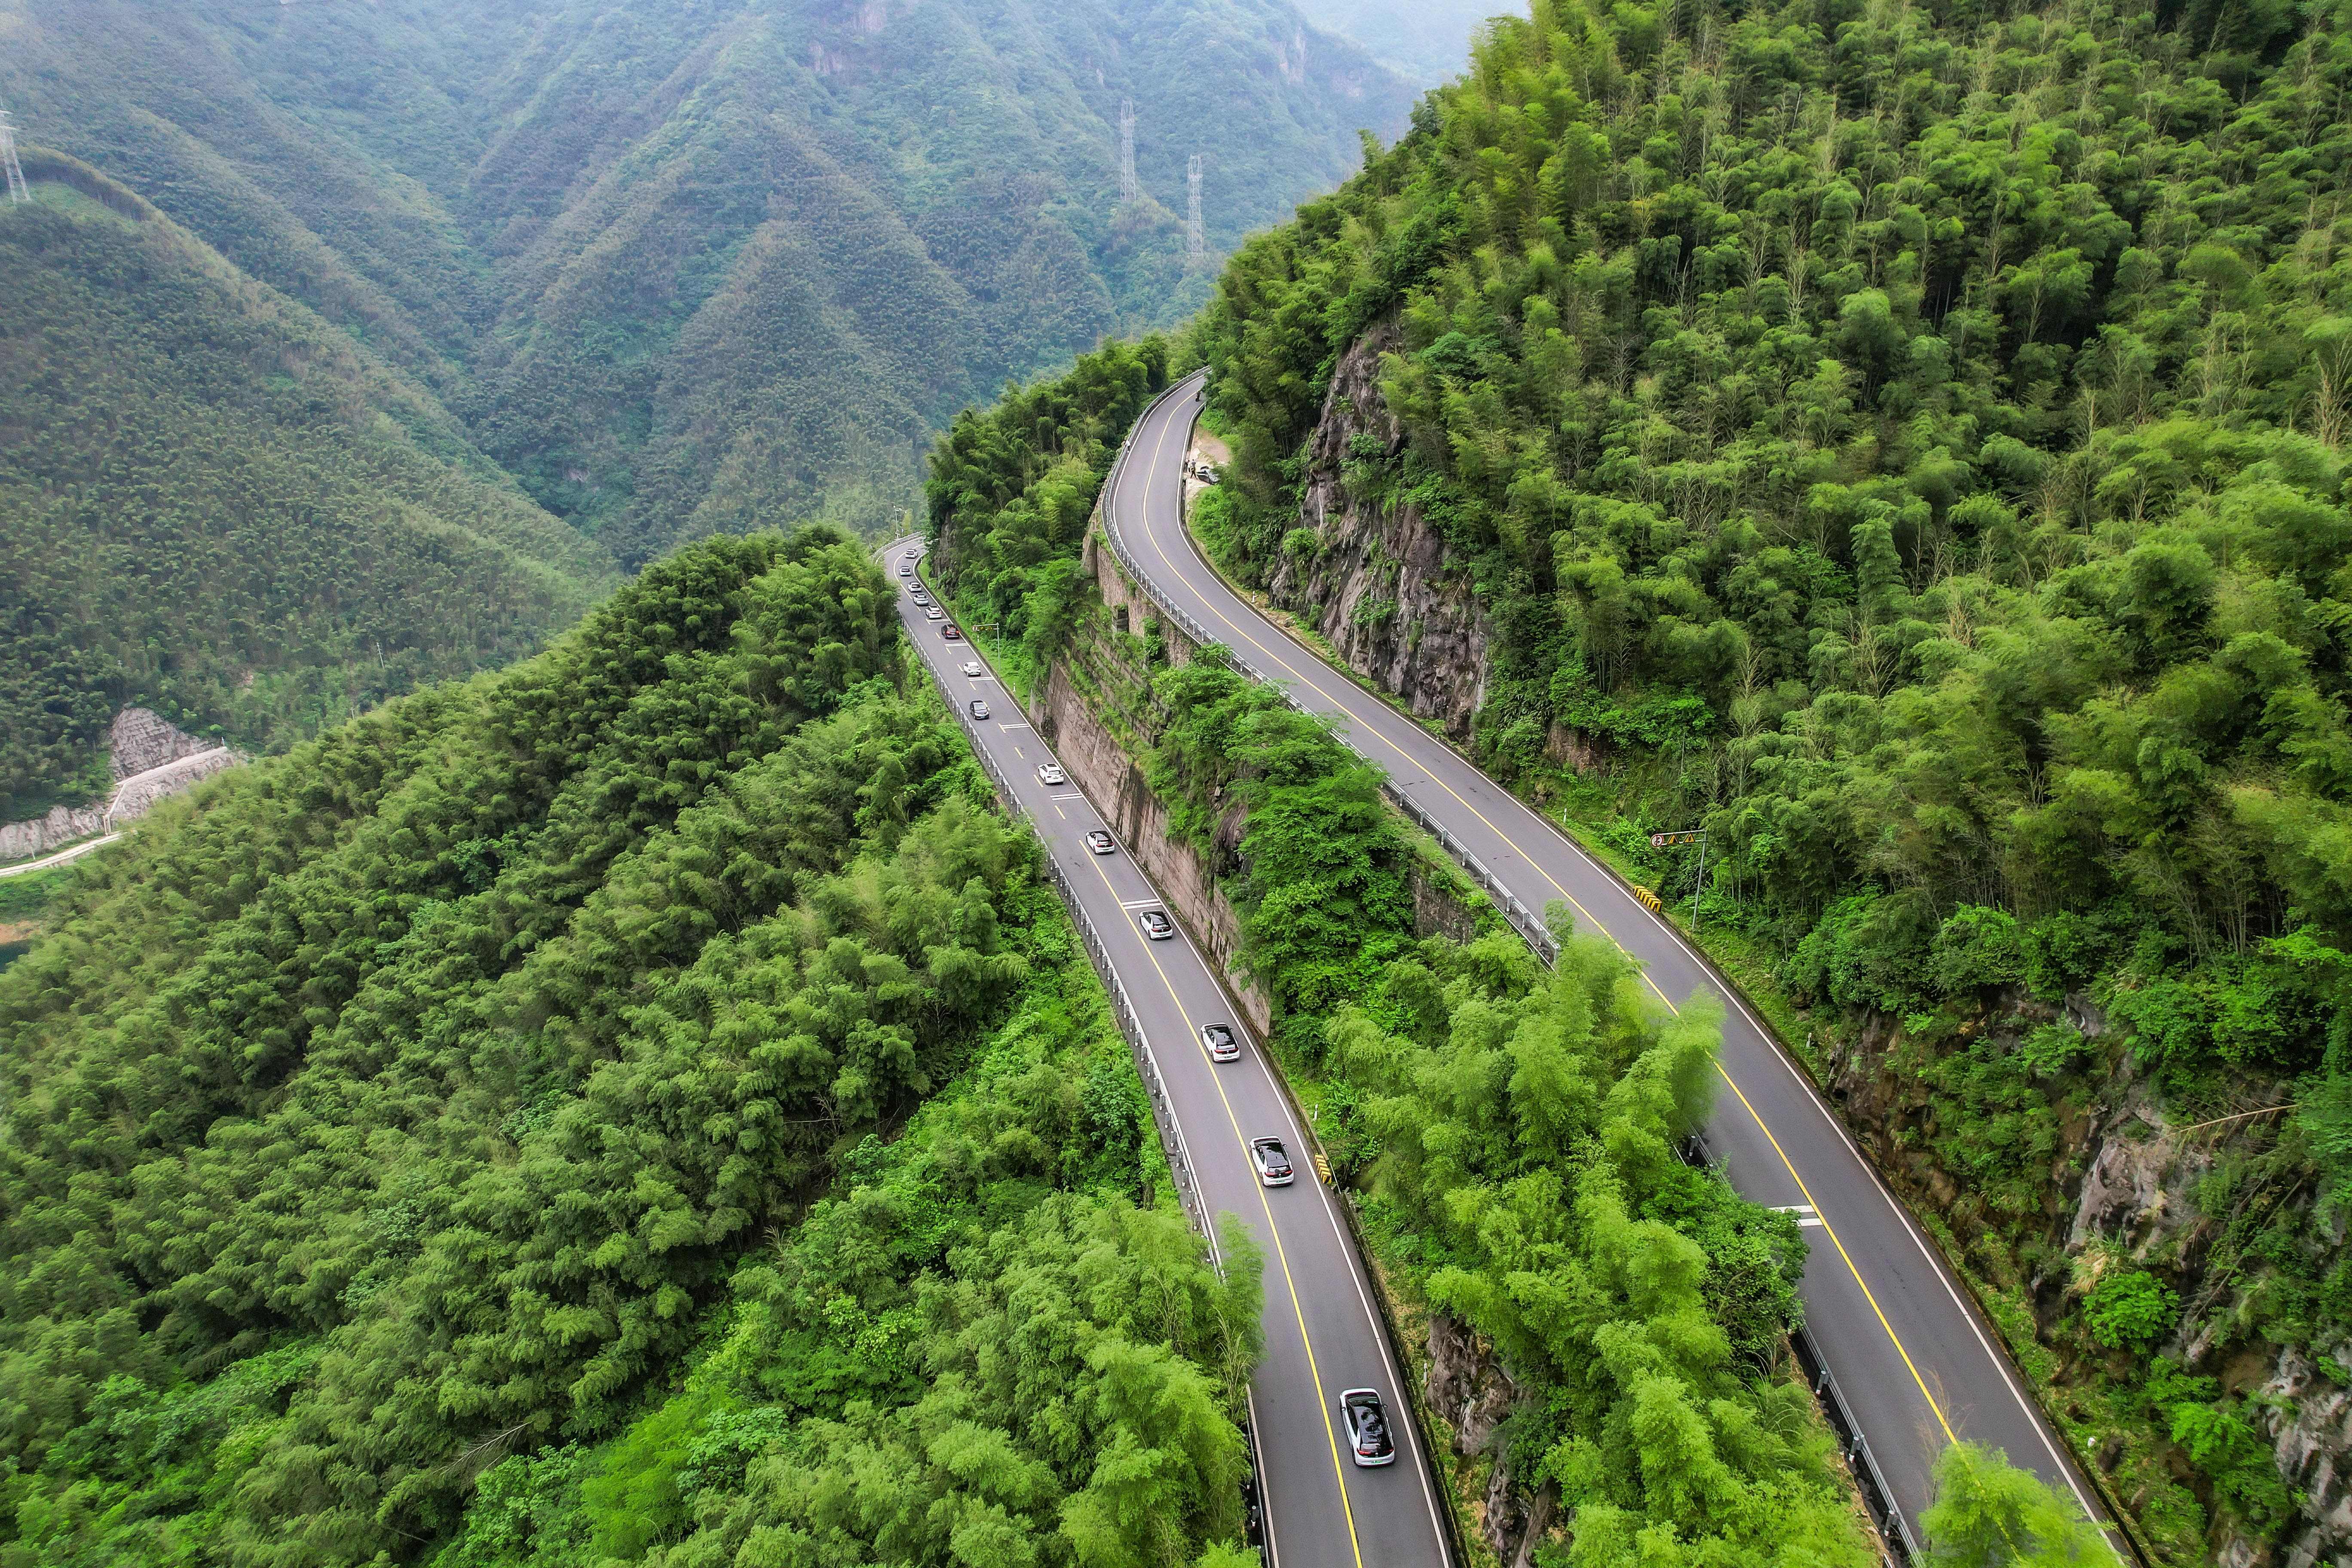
x: 689, y: 265
x: 220, y: 505
x: 1425, y: 41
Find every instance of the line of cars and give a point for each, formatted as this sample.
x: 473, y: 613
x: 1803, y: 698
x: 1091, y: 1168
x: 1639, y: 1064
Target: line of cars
x: 1361, y: 1411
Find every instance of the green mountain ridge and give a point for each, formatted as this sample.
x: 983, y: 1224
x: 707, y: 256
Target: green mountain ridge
x: 1910, y: 443
x: 222, y: 507
x: 698, y: 267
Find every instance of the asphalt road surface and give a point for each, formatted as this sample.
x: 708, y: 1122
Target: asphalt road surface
x: 1322, y: 1335
x: 1913, y: 1360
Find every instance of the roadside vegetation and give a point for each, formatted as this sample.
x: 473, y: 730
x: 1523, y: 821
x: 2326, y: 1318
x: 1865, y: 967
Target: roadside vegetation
x: 642, y: 1106
x: 1911, y: 445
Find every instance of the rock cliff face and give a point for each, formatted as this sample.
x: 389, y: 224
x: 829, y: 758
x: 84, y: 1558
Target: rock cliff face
x: 1468, y: 1388
x: 2124, y: 1181
x: 1378, y: 581
x: 1099, y: 765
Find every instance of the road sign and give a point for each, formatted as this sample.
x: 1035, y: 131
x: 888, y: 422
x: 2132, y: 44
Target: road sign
x: 1665, y: 840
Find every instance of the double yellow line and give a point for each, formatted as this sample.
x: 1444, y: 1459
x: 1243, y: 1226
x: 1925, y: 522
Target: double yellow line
x: 1934, y: 1404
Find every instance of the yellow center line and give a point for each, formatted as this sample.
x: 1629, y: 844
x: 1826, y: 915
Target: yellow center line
x: 1322, y: 1400
x: 1934, y: 1405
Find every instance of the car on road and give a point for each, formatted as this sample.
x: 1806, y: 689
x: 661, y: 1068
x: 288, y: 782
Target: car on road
x: 1102, y: 843
x: 1156, y: 925
x: 920, y: 598
x: 1052, y: 773
x: 950, y: 634
x: 933, y: 613
x: 1271, y: 1160
x: 907, y: 567
x: 971, y: 668
x: 1224, y: 1046
x: 979, y: 709
x: 1367, y: 1421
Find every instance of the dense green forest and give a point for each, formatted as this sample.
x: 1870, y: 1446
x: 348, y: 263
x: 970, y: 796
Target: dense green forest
x: 1511, y: 1132
x: 220, y: 507
x: 711, y: 264
x: 1910, y: 440
x: 645, y: 1095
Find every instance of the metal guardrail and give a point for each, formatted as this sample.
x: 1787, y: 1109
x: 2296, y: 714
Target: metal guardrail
x: 1894, y: 1530
x: 1528, y: 922
x: 1147, y: 1064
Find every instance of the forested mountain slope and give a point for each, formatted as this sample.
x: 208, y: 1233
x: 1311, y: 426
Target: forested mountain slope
x: 1910, y: 442
x: 644, y: 1097
x: 220, y: 506
x: 713, y: 262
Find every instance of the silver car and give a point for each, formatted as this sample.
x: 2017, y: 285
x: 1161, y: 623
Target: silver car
x: 933, y: 613
x: 1273, y: 1162
x: 1367, y: 1427
x: 971, y: 668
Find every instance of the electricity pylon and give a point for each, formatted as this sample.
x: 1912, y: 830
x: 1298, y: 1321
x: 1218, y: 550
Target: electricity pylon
x: 1129, y: 189
x: 18, y: 191
x: 1196, y: 245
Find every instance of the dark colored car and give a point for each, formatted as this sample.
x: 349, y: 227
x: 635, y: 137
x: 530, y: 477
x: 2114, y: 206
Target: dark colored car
x: 1273, y: 1162
x: 950, y: 634
x: 1367, y: 1427
x: 1224, y: 1046
x: 1157, y: 925
x: 979, y: 709
x: 1102, y: 843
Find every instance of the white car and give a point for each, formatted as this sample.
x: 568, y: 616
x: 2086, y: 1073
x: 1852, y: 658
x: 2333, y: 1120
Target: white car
x: 1224, y: 1046
x: 979, y: 709
x: 971, y: 668
x: 1102, y: 843
x: 907, y: 567
x: 1273, y: 1162
x: 1156, y: 925
x: 920, y: 598
x: 1367, y: 1427
x: 1052, y: 773
x: 933, y: 613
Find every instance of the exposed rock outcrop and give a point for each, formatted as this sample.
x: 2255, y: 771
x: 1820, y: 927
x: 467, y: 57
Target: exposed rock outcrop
x: 1469, y: 1390
x: 152, y: 759
x: 1377, y: 582
x: 142, y: 739
x: 2133, y: 1204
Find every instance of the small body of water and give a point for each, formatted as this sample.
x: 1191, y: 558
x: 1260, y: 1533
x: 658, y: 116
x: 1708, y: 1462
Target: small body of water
x: 11, y: 950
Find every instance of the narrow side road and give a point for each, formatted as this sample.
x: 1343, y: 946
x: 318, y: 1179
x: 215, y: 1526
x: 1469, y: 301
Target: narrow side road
x: 1322, y: 1332
x: 1906, y: 1348
x: 60, y: 857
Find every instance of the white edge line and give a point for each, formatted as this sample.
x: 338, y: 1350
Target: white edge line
x: 2035, y: 1416
x: 1356, y: 1266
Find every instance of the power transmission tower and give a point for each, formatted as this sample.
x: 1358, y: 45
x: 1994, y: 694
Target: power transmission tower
x: 1130, y: 189
x: 1196, y: 245
x: 18, y: 191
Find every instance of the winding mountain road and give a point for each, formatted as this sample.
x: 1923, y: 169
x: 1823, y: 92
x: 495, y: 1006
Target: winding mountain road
x: 1322, y: 1333
x: 1915, y: 1365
